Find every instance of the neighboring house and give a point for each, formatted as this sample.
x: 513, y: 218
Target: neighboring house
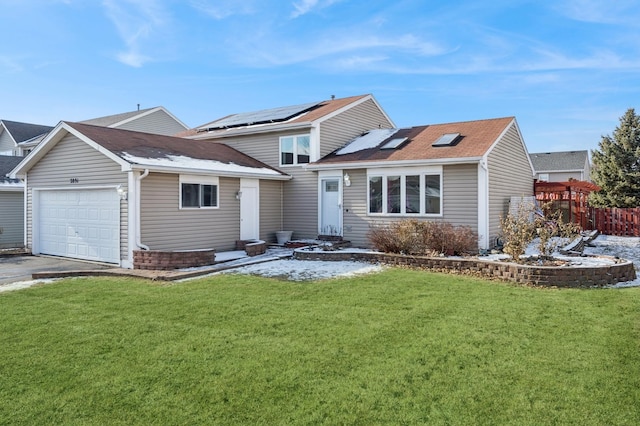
x: 99, y: 194
x: 155, y: 120
x: 289, y: 138
x: 11, y: 205
x: 14, y: 135
x: 463, y: 173
x: 561, y: 166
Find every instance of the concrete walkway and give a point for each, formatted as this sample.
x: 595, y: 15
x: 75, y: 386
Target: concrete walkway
x: 226, y: 260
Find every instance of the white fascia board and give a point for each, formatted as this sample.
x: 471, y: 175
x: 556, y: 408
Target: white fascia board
x: 165, y: 169
x: 12, y: 187
x: 381, y: 164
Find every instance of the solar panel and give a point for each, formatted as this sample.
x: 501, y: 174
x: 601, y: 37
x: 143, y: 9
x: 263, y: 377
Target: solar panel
x: 272, y: 115
x: 447, y: 139
x: 394, y: 143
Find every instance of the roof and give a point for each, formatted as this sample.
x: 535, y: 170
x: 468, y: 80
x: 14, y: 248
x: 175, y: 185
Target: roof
x: 272, y: 119
x: 475, y: 140
x: 8, y: 163
x: 168, y: 153
x: 21, y: 132
x: 110, y: 120
x: 559, y: 161
x: 117, y: 120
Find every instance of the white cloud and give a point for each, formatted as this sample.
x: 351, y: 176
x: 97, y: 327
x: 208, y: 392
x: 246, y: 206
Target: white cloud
x: 597, y: 11
x: 305, y: 6
x: 10, y: 65
x: 137, y: 22
x: 224, y: 8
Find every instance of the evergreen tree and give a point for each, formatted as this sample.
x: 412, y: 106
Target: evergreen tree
x: 616, y: 165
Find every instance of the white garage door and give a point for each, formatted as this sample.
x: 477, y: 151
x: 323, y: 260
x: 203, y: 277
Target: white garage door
x: 82, y: 224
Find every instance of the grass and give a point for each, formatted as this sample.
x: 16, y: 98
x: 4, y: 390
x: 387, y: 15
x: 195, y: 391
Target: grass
x: 399, y: 347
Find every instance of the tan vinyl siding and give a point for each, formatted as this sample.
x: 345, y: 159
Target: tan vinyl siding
x: 264, y: 147
x: 337, y: 131
x: 301, y: 203
x: 11, y: 219
x: 460, y: 203
x: 164, y: 226
x: 70, y: 159
x: 270, y: 209
x: 159, y: 123
x: 509, y: 175
x: 6, y: 144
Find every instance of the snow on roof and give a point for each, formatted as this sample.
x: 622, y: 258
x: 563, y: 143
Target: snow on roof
x: 369, y: 140
x: 182, y: 162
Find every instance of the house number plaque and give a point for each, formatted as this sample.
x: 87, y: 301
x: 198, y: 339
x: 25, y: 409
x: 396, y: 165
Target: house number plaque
x: 74, y: 180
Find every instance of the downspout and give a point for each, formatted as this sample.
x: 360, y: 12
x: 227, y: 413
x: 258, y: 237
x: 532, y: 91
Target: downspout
x: 138, y: 197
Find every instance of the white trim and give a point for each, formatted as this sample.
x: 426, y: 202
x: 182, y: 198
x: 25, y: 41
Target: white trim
x: 483, y: 205
x: 399, y: 163
x: 205, y: 172
x: 295, y: 149
x: 251, y: 183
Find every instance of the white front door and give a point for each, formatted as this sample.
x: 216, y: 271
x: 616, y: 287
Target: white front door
x: 249, y: 209
x: 331, y: 207
x: 81, y: 224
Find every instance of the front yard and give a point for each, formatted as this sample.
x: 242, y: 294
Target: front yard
x: 395, y: 347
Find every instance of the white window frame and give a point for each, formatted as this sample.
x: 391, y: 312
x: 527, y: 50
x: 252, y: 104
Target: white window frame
x: 403, y: 173
x: 295, y: 149
x: 199, y: 180
x: 543, y: 177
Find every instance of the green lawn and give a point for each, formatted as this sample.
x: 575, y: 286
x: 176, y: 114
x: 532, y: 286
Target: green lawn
x: 398, y: 347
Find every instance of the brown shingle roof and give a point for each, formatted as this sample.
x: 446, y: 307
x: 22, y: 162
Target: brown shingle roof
x: 125, y: 143
x: 476, y: 139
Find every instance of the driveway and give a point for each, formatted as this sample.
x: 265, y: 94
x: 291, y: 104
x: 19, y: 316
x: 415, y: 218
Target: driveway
x: 20, y: 268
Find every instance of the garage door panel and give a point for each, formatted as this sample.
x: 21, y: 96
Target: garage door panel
x: 83, y: 224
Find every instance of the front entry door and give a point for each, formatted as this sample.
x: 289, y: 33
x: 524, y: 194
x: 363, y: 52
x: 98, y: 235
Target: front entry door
x: 249, y: 209
x: 331, y: 207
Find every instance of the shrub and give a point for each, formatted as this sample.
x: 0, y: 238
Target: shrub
x: 553, y: 231
x: 518, y: 230
x: 416, y: 237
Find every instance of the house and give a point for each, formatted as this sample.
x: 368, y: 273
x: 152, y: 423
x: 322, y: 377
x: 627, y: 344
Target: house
x: 135, y: 191
x: 11, y: 204
x: 289, y: 139
x: 157, y: 120
x: 16, y: 137
x: 561, y: 166
x: 464, y: 173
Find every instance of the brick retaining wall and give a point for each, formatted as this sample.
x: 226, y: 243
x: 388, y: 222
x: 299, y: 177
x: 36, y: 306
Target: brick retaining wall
x: 552, y: 276
x: 167, y: 260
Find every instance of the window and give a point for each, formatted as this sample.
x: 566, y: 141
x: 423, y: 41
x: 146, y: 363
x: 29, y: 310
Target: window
x: 295, y: 150
x: 198, y: 192
x: 543, y: 177
x: 410, y: 194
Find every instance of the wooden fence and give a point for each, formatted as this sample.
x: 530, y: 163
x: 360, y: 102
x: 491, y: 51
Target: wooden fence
x: 614, y: 221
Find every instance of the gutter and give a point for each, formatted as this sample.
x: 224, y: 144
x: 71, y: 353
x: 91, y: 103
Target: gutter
x: 138, y: 197
x: 383, y: 163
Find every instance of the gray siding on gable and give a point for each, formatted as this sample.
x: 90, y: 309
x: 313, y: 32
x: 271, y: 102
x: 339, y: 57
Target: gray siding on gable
x: 158, y: 122
x: 11, y: 219
x: 72, y: 158
x: 460, y: 203
x: 271, y: 219
x: 509, y: 175
x: 337, y: 131
x: 7, y: 145
x: 164, y: 226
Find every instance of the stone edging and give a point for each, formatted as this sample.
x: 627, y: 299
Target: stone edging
x: 549, y: 276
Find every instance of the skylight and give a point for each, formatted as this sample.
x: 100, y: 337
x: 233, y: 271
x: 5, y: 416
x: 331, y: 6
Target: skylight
x: 393, y: 143
x: 448, y: 139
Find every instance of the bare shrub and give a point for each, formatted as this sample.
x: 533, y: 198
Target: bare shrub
x: 518, y: 230
x: 416, y: 237
x: 553, y: 231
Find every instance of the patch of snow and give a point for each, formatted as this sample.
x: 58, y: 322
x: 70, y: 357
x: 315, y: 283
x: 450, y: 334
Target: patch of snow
x: 369, y: 140
x: 303, y: 270
x: 180, y: 161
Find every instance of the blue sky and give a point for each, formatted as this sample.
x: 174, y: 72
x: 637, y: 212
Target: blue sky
x: 567, y: 69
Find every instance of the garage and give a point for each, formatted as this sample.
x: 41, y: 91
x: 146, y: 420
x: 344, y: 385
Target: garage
x: 80, y: 224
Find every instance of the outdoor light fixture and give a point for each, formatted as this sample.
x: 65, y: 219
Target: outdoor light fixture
x: 238, y: 195
x: 347, y: 179
x: 122, y: 193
